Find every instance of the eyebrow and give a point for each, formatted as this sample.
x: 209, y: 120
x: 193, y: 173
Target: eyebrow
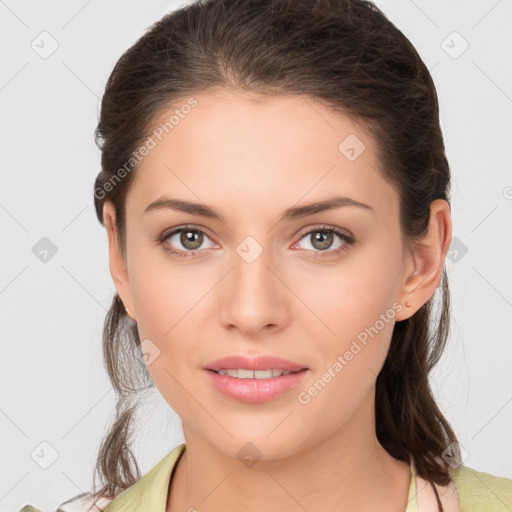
x: 295, y: 212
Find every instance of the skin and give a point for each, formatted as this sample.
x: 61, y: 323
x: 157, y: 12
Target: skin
x: 251, y: 158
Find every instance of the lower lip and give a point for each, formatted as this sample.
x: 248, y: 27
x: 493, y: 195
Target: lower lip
x: 255, y: 390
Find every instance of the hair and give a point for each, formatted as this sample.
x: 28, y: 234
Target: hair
x: 347, y: 55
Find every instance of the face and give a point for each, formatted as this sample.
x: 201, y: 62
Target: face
x: 256, y: 283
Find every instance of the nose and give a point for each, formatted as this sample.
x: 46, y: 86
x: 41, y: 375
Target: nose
x: 253, y: 296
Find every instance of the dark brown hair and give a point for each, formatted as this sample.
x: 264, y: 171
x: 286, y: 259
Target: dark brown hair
x: 347, y: 55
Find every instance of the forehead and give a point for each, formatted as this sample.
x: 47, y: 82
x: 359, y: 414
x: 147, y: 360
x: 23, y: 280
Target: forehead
x: 243, y: 151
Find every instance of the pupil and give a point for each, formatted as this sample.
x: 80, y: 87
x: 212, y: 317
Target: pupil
x: 191, y: 239
x: 324, y: 238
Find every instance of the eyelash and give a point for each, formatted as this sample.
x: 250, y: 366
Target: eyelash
x: 348, y: 241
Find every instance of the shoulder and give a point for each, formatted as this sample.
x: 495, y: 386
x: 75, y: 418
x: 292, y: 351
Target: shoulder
x: 151, y: 490
x: 148, y: 493
x: 84, y: 503
x: 80, y: 503
x: 476, y: 488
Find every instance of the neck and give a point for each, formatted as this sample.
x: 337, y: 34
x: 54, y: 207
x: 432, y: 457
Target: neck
x: 349, y: 470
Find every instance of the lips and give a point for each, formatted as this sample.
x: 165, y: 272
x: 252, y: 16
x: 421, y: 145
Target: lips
x: 255, y: 390
x: 254, y: 363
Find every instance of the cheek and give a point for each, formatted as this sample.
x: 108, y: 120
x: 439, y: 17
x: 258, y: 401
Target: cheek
x: 168, y: 299
x: 349, y: 359
x: 353, y: 318
x: 345, y: 301
x: 165, y: 292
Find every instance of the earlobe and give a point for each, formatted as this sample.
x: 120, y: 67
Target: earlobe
x: 117, y: 264
x: 428, y: 257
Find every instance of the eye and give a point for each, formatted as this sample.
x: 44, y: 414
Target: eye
x: 321, y: 239
x: 191, y: 238
x: 188, y: 237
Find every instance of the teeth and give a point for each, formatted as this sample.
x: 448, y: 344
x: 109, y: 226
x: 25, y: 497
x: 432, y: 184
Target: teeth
x: 253, y: 374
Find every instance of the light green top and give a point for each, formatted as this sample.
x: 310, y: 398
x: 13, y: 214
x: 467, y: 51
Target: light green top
x: 478, y: 491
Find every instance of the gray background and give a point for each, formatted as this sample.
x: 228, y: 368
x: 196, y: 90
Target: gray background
x: 54, y: 388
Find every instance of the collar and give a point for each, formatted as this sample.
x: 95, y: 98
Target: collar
x: 150, y: 491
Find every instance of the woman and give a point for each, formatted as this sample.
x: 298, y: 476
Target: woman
x: 275, y: 191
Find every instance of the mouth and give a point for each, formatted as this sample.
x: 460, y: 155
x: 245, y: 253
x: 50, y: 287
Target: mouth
x: 241, y: 373
x: 260, y: 363
x: 254, y: 386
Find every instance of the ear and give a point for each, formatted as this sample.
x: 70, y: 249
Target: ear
x: 425, y: 264
x: 117, y: 264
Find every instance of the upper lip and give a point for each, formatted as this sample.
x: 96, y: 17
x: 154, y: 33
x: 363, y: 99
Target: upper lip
x: 254, y: 363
